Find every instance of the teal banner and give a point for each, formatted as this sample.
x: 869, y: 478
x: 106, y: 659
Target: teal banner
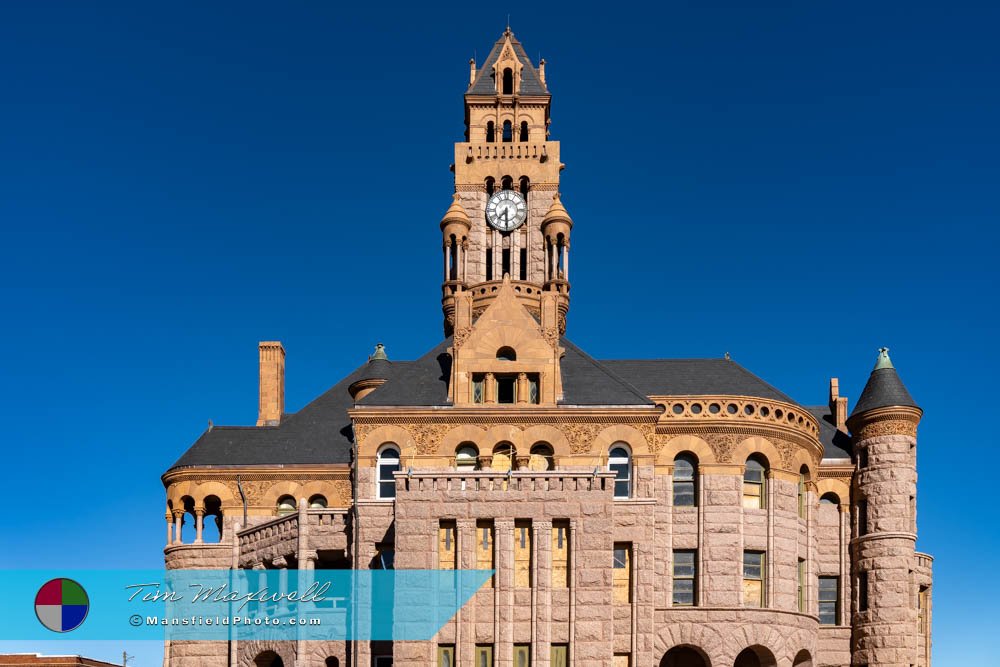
x: 214, y: 605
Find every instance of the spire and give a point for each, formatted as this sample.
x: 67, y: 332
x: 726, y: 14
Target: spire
x: 884, y: 388
x: 456, y: 213
x: 484, y: 84
x: 557, y: 213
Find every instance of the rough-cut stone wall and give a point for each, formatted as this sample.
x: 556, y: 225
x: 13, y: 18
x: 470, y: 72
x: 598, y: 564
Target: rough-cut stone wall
x: 886, y: 634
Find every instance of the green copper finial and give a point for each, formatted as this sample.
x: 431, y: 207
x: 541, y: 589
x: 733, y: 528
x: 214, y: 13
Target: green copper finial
x: 379, y: 353
x: 883, y: 359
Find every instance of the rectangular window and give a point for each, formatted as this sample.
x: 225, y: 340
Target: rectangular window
x: 489, y: 263
x: 753, y: 489
x: 506, y: 389
x: 863, y: 518
x: 478, y: 389
x: 447, y: 552
x: 559, y: 655
x: 622, y: 572
x: 829, y: 600
x: 524, y: 263
x: 522, y: 554
x: 484, y: 655
x: 802, y: 586
x: 862, y: 591
x: 385, y: 556
x: 685, y: 577
x: 504, y: 262
x: 863, y: 458
x: 754, y: 577
x: 923, y: 594
x: 446, y: 655
x: 484, y: 548
x: 560, y: 554
x: 522, y: 655
x: 533, y: 389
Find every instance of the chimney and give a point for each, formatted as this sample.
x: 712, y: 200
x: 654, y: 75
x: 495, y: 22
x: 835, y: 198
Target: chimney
x: 838, y: 405
x: 272, y: 383
x: 472, y: 71
x: 541, y: 70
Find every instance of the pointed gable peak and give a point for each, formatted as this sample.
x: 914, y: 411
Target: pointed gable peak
x: 507, y: 54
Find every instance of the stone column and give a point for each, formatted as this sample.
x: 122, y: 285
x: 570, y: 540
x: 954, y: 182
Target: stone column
x: 199, y: 523
x: 541, y: 634
x: 503, y: 647
x: 170, y: 529
x: 178, y: 524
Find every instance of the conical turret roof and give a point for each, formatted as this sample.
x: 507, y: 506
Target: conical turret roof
x: 884, y: 388
x: 456, y: 213
x: 557, y: 212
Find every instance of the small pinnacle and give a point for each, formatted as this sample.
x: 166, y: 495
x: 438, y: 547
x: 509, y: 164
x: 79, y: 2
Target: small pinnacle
x: 210, y: 424
x: 727, y: 356
x: 883, y: 359
x: 379, y: 353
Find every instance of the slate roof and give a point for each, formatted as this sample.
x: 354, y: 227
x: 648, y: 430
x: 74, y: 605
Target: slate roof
x: 836, y: 443
x: 485, y: 84
x: 320, y: 433
x: 884, y: 389
x: 692, y: 377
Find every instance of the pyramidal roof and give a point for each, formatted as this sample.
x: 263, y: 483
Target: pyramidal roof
x: 485, y: 84
x: 884, y: 388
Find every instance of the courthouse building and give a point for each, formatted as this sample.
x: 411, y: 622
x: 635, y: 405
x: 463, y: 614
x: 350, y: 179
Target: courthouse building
x: 647, y: 512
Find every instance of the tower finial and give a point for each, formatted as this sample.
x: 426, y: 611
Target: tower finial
x: 379, y: 353
x: 883, y: 359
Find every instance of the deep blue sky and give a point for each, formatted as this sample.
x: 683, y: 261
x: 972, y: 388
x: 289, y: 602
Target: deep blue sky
x: 795, y: 183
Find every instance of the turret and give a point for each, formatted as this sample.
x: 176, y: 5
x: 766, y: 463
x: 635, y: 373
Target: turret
x: 883, y: 426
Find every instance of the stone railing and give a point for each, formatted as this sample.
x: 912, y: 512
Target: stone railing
x: 517, y: 481
x: 733, y: 410
x: 924, y: 560
x: 271, y: 539
x: 528, y: 294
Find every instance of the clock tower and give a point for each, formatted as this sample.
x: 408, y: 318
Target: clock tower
x: 506, y: 219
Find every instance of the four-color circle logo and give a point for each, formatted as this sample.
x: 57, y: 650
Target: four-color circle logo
x: 61, y: 605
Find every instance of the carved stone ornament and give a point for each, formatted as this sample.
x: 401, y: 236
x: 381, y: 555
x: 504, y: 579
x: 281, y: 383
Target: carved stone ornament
x: 875, y: 429
x: 723, y: 445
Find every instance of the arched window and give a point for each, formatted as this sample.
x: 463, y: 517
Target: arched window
x: 829, y: 498
x: 317, y: 502
x: 332, y: 662
x: 508, y: 81
x: 620, y: 462
x: 685, y: 480
x: 286, y: 505
x: 524, y: 185
x: 388, y: 463
x: 212, y: 521
x: 508, y: 131
x: 503, y: 457
x: 491, y: 185
x: 542, y: 457
x: 506, y: 354
x: 467, y: 456
x: 524, y: 131
x: 755, y: 483
x: 491, y: 134
x: 506, y: 183
x: 803, y: 477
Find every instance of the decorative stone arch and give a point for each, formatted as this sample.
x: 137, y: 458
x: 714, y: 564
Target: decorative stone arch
x: 504, y: 433
x: 178, y: 490
x: 529, y: 345
x: 219, y: 490
x: 319, y: 487
x: 317, y: 652
x: 550, y: 435
x: 370, y: 444
x: 685, y: 443
x: 253, y: 649
x: 781, y: 642
x: 837, y: 486
x: 703, y: 638
x: 802, y: 458
x: 620, y: 433
x: 279, y: 489
x: 757, y: 445
x: 802, y: 659
x: 456, y: 436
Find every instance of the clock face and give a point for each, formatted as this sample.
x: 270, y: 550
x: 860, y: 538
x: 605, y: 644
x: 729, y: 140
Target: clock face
x: 506, y: 211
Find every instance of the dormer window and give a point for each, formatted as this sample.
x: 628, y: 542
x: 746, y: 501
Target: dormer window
x: 508, y: 81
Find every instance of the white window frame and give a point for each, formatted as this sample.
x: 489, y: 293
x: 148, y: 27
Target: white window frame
x: 381, y: 460
x: 619, y: 460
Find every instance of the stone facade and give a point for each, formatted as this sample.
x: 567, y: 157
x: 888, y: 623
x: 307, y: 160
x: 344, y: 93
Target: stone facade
x: 675, y: 528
